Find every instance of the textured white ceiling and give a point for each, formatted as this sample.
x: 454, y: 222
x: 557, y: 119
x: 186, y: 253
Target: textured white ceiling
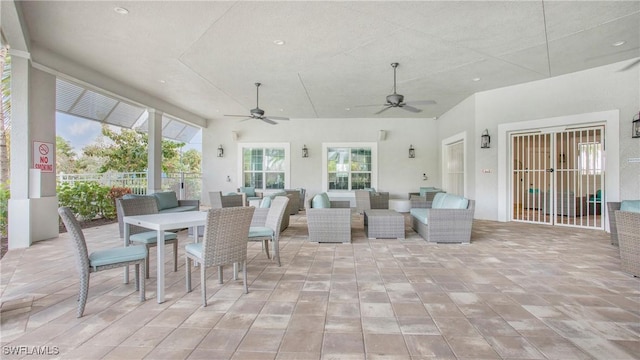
x: 337, y: 54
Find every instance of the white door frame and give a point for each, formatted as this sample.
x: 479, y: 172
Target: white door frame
x: 448, y: 141
x: 611, y: 118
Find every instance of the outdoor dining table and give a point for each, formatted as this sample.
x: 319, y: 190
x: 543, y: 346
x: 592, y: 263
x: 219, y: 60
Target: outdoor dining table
x: 161, y: 223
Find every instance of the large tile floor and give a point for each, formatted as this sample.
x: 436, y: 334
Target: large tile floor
x: 518, y: 291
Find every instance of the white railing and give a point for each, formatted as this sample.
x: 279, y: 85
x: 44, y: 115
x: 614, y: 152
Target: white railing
x: 186, y: 185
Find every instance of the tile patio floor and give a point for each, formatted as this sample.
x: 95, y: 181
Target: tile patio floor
x: 519, y: 291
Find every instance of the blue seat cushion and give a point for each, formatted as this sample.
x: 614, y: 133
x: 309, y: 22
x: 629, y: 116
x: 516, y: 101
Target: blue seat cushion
x: 117, y: 255
x: 194, y: 249
x: 260, y: 231
x: 249, y: 190
x: 449, y: 201
x: 266, y: 202
x: 630, y: 205
x: 321, y: 201
x: 166, y: 200
x: 425, y: 189
x: 179, y: 209
x: 420, y: 214
x: 150, y: 237
x: 370, y: 189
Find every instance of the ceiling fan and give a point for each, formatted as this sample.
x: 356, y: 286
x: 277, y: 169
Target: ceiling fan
x: 258, y: 113
x: 397, y: 100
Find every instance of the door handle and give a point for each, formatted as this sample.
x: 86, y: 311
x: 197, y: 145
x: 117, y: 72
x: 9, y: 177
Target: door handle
x: 550, y: 170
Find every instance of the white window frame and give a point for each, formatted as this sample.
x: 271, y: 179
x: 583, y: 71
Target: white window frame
x: 287, y: 162
x: 374, y: 164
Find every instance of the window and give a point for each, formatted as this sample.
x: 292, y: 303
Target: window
x: 590, y: 158
x: 265, y: 166
x: 349, y: 166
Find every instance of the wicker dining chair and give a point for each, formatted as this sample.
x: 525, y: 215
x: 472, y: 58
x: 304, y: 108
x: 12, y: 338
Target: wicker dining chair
x: 628, y: 229
x: 224, y: 243
x: 271, y: 228
x: 143, y: 206
x: 101, y: 259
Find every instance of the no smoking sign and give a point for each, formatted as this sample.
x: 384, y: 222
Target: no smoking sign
x: 42, y: 156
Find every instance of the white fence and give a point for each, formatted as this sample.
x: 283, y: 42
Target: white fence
x: 186, y: 185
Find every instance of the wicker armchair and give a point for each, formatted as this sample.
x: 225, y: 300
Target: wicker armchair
x: 422, y: 201
x: 271, y: 228
x: 224, y: 243
x: 444, y: 225
x: 612, y: 207
x: 102, y: 259
x: 219, y: 201
x: 295, y: 199
x: 143, y: 206
x: 628, y: 228
x: 368, y: 200
x: 329, y: 224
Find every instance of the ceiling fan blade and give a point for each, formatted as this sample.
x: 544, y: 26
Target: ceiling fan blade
x: 634, y: 63
x: 383, y: 109
x: 421, y: 102
x: 249, y: 118
x: 268, y: 121
x: 411, y: 108
x: 278, y: 118
x: 236, y: 115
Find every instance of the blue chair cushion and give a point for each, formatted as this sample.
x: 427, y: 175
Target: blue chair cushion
x: 597, y: 197
x: 166, y: 200
x: 179, y: 209
x: 630, y: 205
x: 249, y: 190
x: 150, y: 237
x: 117, y: 255
x: 194, y: 249
x: 425, y: 190
x: 449, y: 201
x: 321, y: 201
x: 420, y: 214
x: 370, y: 189
x: 266, y: 202
x: 260, y: 231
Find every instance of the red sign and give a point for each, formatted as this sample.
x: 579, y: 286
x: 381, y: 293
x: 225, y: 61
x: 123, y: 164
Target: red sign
x: 43, y: 156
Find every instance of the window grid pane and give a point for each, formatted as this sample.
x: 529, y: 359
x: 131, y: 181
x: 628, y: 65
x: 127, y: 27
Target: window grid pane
x: 263, y: 168
x: 349, y: 168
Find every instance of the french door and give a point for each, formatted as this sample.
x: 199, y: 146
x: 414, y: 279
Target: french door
x: 558, y: 177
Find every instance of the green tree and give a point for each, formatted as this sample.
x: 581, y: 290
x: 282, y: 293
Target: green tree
x: 65, y: 156
x: 126, y: 151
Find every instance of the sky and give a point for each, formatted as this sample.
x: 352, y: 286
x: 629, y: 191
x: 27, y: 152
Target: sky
x: 82, y: 132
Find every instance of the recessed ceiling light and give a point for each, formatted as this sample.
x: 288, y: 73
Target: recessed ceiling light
x: 618, y: 43
x: 278, y: 42
x: 281, y: 109
x: 121, y: 10
x: 476, y: 79
x: 162, y: 82
x: 348, y: 109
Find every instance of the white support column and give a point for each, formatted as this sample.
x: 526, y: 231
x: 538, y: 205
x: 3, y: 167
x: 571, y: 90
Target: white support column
x: 32, y: 212
x: 154, y: 162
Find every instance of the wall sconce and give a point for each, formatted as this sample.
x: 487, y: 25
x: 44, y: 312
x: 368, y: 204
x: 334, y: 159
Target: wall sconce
x: 485, y: 140
x: 220, y: 151
x: 412, y: 152
x: 305, y: 151
x: 635, y: 128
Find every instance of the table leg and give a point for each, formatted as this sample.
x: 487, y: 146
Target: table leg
x: 126, y: 243
x: 160, y: 266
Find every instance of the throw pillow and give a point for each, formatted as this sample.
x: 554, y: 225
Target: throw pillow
x: 166, y: 200
x: 321, y: 201
x: 630, y: 205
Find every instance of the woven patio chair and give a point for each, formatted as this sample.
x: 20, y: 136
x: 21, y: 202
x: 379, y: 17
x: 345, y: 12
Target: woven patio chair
x: 612, y: 207
x: 628, y: 227
x: 271, y: 228
x: 101, y: 259
x: 144, y: 206
x: 329, y: 225
x: 224, y: 243
x: 219, y: 201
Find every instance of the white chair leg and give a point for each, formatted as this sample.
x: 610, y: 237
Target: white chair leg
x: 142, y: 279
x: 244, y: 274
x: 203, y: 284
x: 188, y: 273
x: 219, y: 274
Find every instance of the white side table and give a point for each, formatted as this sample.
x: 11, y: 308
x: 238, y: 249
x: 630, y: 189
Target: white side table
x: 400, y: 205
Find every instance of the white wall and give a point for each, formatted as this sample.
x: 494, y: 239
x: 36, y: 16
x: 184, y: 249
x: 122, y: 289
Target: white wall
x: 596, y: 90
x: 397, y: 173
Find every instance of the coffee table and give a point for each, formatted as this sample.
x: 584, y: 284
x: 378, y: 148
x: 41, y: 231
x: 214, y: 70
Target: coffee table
x: 383, y: 224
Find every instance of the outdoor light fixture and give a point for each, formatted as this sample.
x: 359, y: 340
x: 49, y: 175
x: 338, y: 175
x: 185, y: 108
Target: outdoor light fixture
x: 412, y: 152
x: 305, y: 151
x: 485, y: 140
x: 635, y: 128
x: 220, y: 151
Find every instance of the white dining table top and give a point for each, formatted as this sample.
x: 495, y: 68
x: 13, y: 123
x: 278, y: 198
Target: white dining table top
x: 166, y: 221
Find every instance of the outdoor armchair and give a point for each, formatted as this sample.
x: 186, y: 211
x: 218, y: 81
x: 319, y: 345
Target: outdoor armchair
x: 628, y: 227
x: 101, y: 259
x: 328, y: 221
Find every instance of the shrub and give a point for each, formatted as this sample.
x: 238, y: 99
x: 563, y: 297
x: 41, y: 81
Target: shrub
x: 4, y: 209
x: 87, y: 199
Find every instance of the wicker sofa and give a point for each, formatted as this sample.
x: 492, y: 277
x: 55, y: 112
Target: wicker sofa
x: 449, y: 220
x: 628, y: 228
x: 328, y: 222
